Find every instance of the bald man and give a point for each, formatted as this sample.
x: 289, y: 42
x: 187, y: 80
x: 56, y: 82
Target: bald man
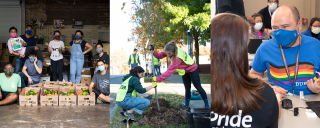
x: 281, y: 53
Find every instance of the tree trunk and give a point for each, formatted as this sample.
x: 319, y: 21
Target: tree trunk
x: 196, y: 45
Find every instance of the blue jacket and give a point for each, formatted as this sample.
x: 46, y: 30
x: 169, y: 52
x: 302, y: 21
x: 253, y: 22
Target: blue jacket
x: 308, y: 33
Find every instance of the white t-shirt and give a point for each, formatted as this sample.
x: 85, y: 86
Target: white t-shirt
x: 55, y: 46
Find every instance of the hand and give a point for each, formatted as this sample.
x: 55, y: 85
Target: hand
x: 314, y: 86
x: 279, y: 90
x: 151, y: 47
x: 46, y: 44
x: 35, y: 60
x: 154, y: 84
x: 84, y: 53
x: 92, y: 94
x: 30, y: 80
x: 154, y: 79
x: 22, y: 56
x: 279, y: 98
x: 36, y: 48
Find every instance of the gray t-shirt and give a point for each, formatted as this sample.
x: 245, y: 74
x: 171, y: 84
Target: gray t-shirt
x: 103, y: 82
x: 31, y: 69
x: 56, y: 46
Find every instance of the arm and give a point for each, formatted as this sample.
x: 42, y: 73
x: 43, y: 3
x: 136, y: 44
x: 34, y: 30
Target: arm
x: 38, y: 67
x: 137, y: 85
x: 173, y: 67
x: 159, y: 55
x: 255, y: 74
x: 90, y: 87
x: 90, y: 48
x: 24, y: 70
x: 49, y: 48
x: 19, y: 90
x: 0, y: 94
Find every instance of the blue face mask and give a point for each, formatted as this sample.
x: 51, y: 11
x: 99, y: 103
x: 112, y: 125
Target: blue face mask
x: 31, y: 59
x: 78, y: 37
x: 101, y: 68
x: 285, y: 37
x: 28, y: 32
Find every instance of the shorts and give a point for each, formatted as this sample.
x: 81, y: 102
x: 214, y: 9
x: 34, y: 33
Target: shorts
x: 97, y: 92
x: 4, y: 95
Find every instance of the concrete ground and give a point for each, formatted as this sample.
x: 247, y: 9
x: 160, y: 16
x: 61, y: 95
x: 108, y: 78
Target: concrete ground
x: 174, y: 87
x: 15, y: 116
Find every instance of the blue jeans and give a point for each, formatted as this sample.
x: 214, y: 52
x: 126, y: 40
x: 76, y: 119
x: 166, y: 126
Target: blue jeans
x: 19, y: 63
x: 157, y: 70
x: 76, y: 65
x: 132, y: 66
x: 137, y: 104
x: 25, y: 81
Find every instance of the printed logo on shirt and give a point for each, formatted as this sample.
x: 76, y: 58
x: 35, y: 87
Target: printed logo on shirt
x: 13, y: 85
x: 104, y: 83
x: 233, y: 121
x: 279, y: 76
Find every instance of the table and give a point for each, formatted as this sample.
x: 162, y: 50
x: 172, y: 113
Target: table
x: 288, y: 120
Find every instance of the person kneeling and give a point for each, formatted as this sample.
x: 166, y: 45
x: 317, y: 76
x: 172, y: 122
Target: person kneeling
x: 31, y: 71
x: 102, y: 79
x: 9, y: 85
x: 127, y: 93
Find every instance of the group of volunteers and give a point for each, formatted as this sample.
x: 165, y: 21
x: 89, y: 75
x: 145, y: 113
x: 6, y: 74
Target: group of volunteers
x: 181, y: 62
x: 289, y: 57
x: 29, y: 57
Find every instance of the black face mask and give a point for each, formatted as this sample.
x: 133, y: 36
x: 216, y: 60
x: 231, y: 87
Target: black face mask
x: 9, y: 72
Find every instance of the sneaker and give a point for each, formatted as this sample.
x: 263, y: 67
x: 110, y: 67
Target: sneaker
x: 148, y: 97
x: 130, y: 115
x: 185, y: 108
x: 99, y: 101
x: 122, y: 112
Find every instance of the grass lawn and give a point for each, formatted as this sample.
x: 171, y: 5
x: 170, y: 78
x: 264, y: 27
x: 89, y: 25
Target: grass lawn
x: 174, y: 100
x: 205, y: 78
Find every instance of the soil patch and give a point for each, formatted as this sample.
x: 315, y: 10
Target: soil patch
x: 168, y: 115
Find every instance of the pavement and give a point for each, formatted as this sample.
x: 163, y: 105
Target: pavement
x: 15, y: 116
x: 175, y: 86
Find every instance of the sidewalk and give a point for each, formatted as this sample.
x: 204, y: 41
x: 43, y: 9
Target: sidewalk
x: 163, y: 88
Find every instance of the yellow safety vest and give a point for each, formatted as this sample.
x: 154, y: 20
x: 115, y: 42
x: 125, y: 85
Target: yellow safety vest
x: 155, y: 61
x: 185, y: 58
x: 132, y: 59
x: 122, y: 92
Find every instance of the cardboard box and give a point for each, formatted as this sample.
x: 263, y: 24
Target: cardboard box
x: 68, y: 83
x: 84, y: 100
x: 51, y: 83
x: 67, y: 100
x: 29, y: 100
x: 39, y: 85
x: 44, y: 79
x: 49, y: 100
x: 5, y: 58
x: 86, y: 79
x: 5, y: 51
x: 86, y: 71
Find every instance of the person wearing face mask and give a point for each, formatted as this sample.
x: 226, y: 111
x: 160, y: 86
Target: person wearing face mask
x: 31, y: 71
x: 127, y: 93
x: 289, y: 58
x: 186, y: 67
x: 102, y: 81
x: 9, y: 85
x: 20, y: 53
x: 28, y: 38
x: 314, y: 28
x: 100, y: 56
x: 77, y: 50
x: 257, y: 31
x: 56, y: 48
x: 267, y: 13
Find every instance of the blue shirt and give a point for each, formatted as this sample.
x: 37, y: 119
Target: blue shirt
x: 31, y: 69
x: 268, y: 57
x: 30, y: 41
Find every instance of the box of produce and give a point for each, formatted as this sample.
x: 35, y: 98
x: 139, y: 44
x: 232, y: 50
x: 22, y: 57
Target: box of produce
x: 49, y: 95
x: 67, y: 96
x: 51, y: 83
x: 84, y: 97
x: 29, y: 96
x: 69, y: 84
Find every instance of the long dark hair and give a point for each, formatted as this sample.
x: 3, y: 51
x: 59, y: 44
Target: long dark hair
x: 232, y: 88
x: 136, y: 70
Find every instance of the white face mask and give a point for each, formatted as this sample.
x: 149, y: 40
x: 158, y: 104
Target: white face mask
x: 273, y: 6
x: 316, y: 30
x: 258, y: 26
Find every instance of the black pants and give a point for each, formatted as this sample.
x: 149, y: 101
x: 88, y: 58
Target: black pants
x: 54, y: 65
x: 194, y: 77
